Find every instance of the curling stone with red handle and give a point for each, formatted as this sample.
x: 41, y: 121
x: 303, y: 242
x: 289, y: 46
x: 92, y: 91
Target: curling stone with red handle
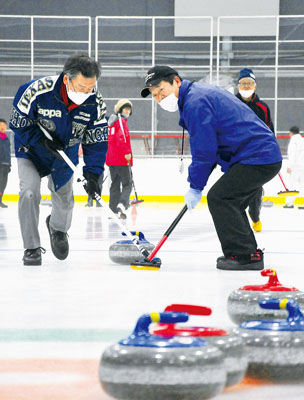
x: 243, y: 304
x: 155, y: 367
x: 275, y: 348
x: 125, y: 251
x: 230, y: 344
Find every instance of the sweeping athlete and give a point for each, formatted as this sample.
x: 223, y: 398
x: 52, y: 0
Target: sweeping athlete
x: 69, y: 108
x: 222, y: 131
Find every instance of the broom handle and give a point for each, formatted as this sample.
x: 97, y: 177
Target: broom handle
x: 282, y: 181
x: 81, y: 179
x: 168, y: 232
x: 133, y: 184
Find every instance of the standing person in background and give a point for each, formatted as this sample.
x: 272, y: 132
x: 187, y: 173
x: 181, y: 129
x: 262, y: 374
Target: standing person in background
x: 119, y: 158
x: 72, y: 111
x: 295, y: 168
x: 5, y: 159
x: 247, y: 94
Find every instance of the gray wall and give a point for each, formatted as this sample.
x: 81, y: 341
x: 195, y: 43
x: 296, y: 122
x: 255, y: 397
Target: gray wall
x: 116, y: 83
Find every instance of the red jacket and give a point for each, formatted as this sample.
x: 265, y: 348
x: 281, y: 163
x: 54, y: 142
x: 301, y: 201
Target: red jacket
x: 119, y: 143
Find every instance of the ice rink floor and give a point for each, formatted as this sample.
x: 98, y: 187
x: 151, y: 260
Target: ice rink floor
x: 56, y: 319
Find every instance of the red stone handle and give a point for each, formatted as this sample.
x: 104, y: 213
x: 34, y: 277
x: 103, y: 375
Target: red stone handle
x: 190, y: 309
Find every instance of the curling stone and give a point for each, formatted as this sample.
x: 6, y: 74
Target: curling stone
x: 230, y: 344
x: 154, y: 367
x: 275, y: 348
x: 243, y: 304
x: 125, y: 251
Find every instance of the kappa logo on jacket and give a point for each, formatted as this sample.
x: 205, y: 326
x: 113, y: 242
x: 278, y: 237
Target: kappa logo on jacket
x: 50, y: 113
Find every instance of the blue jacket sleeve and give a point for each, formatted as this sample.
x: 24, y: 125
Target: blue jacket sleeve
x: 95, y: 140
x: 200, y: 120
x: 23, y: 119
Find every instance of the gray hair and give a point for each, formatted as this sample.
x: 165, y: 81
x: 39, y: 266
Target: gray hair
x: 81, y: 64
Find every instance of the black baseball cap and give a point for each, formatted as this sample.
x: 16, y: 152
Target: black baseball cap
x: 156, y: 75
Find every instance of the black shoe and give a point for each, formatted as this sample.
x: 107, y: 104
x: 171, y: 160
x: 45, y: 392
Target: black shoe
x: 252, y: 262
x: 33, y: 256
x: 89, y: 203
x: 2, y: 205
x: 121, y: 211
x: 59, y: 241
x: 286, y: 206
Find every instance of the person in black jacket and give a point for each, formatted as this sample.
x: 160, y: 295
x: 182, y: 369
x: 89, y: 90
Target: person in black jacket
x: 5, y: 159
x: 247, y: 94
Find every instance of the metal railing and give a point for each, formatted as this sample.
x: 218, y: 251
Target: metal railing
x: 34, y: 46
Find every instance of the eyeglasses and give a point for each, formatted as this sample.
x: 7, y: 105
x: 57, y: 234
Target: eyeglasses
x: 249, y: 85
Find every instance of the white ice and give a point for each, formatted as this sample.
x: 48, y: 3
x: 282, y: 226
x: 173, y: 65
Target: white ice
x: 87, y: 294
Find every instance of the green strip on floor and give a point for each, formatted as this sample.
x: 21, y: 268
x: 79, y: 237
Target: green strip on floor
x: 62, y: 335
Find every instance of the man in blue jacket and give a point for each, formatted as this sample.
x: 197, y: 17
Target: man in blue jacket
x: 221, y: 131
x: 70, y: 109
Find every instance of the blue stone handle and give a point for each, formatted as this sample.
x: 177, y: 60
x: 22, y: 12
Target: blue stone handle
x: 143, y: 323
x: 294, y: 312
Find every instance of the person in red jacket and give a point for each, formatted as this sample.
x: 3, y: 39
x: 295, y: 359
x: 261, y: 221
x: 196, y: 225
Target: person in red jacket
x: 119, y: 158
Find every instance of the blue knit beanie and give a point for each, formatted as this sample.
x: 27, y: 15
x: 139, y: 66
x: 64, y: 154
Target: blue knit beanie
x: 246, y: 73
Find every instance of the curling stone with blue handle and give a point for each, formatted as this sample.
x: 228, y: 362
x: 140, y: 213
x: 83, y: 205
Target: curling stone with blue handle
x: 125, y: 251
x: 275, y: 349
x: 243, y: 304
x: 230, y: 344
x: 155, y: 367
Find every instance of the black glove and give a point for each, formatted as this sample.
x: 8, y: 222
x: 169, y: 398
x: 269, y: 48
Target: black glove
x: 52, y: 146
x: 92, y: 185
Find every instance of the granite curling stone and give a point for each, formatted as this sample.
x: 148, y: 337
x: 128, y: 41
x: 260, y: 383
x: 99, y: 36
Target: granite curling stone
x: 125, y: 251
x: 230, y: 344
x: 154, y: 367
x: 243, y: 303
x: 275, y: 348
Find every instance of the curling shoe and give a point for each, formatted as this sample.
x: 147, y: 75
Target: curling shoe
x: 59, y: 241
x: 89, y: 203
x: 257, y: 226
x: 121, y: 211
x: 33, y: 256
x: 288, y: 206
x: 251, y: 262
x: 2, y: 205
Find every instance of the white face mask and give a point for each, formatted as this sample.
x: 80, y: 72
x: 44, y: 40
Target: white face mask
x: 78, y: 97
x: 246, y: 93
x: 169, y: 103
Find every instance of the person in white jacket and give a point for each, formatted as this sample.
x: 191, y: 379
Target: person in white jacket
x: 295, y: 166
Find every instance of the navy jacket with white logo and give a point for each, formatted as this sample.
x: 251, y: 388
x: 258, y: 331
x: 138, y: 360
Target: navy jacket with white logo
x: 222, y: 130
x: 41, y: 100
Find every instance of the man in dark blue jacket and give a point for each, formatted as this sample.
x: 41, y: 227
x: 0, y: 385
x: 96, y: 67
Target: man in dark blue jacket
x: 221, y: 131
x: 247, y: 94
x: 70, y: 109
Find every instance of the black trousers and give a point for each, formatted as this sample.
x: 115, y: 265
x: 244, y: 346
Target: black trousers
x: 255, y: 204
x: 227, y: 201
x: 121, y: 186
x: 100, y: 183
x: 4, y: 170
